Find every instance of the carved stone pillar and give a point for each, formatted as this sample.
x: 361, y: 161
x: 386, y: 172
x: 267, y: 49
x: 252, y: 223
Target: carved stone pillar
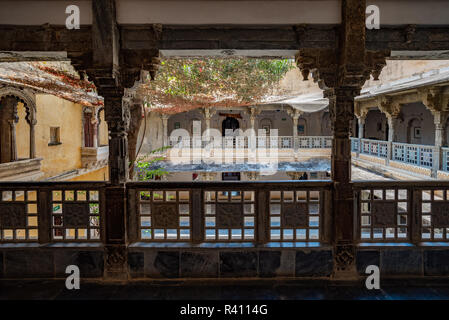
x: 207, y: 116
x: 12, y: 128
x: 361, y: 122
x: 32, y: 124
x: 117, y: 117
x: 341, y: 107
x: 391, y: 127
x: 342, y: 73
x: 439, y: 118
x: 440, y: 134
x: 295, y: 114
x: 165, y: 129
x: 12, y: 102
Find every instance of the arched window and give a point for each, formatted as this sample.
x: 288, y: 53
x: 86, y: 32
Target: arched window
x: 9, y: 117
x: 265, y: 125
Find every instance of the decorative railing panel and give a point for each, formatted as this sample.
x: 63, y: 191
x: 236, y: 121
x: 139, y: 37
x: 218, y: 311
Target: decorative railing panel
x: 18, y: 215
x: 399, y: 211
x: 229, y: 215
x: 383, y: 213
x: 164, y: 215
x: 75, y: 214
x: 51, y: 212
x: 242, y: 142
x: 433, y: 213
x: 311, y: 142
x: 295, y: 215
x: 355, y: 143
x: 374, y: 148
x: 255, y: 212
x: 445, y: 159
x: 418, y: 155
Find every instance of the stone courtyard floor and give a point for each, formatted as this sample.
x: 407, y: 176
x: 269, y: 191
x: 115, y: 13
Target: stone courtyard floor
x: 397, y: 289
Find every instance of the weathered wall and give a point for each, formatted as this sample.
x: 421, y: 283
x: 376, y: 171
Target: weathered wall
x: 397, y: 69
x: 55, y: 112
x: 415, y: 115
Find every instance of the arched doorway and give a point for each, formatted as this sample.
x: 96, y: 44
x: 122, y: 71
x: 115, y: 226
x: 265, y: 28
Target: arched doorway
x: 229, y: 123
x: 376, y: 125
x: 414, y: 128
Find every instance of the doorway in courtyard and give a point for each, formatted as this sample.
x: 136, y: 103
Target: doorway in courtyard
x: 229, y: 123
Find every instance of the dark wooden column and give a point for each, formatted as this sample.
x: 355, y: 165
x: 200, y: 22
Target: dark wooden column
x: 104, y: 70
x: 341, y: 107
x: 113, y: 69
x: 341, y: 73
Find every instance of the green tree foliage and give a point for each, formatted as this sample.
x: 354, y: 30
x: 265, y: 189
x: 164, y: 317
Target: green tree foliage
x: 147, y: 168
x: 206, y: 82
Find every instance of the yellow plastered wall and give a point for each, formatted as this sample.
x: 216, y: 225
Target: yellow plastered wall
x: 56, y: 112
x: 103, y: 130
x: 22, y: 133
x: 97, y: 175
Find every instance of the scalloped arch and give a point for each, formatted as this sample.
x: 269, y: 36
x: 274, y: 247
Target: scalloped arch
x: 27, y: 100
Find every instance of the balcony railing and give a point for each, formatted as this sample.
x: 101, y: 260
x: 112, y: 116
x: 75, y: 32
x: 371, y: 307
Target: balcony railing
x: 445, y: 159
x: 224, y: 212
x: 47, y: 212
x: 412, y: 154
x: 251, y: 212
x: 419, y: 155
x: 244, y: 142
x: 402, y: 211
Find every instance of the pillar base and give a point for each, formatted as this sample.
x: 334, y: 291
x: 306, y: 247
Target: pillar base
x: 116, y: 263
x: 344, y: 263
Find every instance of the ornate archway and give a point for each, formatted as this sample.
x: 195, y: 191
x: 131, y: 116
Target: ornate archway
x: 229, y: 123
x: 9, y: 99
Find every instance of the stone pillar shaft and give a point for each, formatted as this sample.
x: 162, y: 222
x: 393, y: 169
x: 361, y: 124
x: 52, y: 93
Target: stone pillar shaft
x: 341, y: 106
x: 164, y: 130
x: 115, y: 241
x: 440, y: 134
x: 361, y: 133
x: 391, y: 128
x: 32, y: 139
x: 12, y: 128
